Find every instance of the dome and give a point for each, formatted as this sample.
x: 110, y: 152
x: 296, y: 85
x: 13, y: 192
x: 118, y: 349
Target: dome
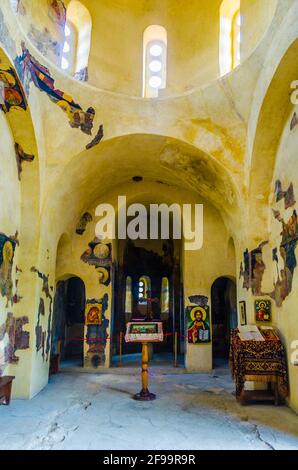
x: 114, y: 59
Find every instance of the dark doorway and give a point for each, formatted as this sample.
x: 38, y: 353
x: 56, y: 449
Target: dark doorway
x: 224, y: 318
x: 148, y: 286
x: 68, y: 322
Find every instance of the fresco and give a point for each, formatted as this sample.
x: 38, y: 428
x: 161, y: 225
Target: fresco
x: 57, y: 12
x: 83, y: 222
x: 198, y: 325
x: 93, y: 315
x: 5, y: 37
x: 287, y: 195
x: 44, y: 42
x: 21, y: 157
x: 200, y: 300
x: 82, y: 75
x: 17, y: 298
x: 289, y: 241
x: 96, y: 337
x: 294, y: 121
x: 16, y: 338
x: 11, y: 91
x: 43, y: 338
x: 252, y: 269
x: 99, y: 255
x: 40, y: 334
x: 7, y: 251
x: 30, y: 70
x: 96, y: 139
x: 263, y: 310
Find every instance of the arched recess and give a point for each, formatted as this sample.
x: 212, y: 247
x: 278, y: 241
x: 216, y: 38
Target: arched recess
x: 68, y: 321
x: 158, y: 159
x: 224, y: 317
x: 68, y: 308
x: 154, y: 270
x: 77, y: 43
x: 274, y: 112
x: 19, y: 129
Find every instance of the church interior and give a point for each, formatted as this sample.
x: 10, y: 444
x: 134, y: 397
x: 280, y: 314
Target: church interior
x: 165, y: 102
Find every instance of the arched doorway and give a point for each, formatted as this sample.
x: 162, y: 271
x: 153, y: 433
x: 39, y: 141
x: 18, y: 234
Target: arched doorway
x: 68, y: 322
x: 224, y: 318
x: 148, y: 286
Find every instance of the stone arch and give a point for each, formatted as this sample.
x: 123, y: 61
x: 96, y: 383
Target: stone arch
x: 271, y: 109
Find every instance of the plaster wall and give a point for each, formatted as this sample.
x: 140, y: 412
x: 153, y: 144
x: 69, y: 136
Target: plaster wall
x: 10, y: 216
x: 256, y: 18
x: 285, y: 318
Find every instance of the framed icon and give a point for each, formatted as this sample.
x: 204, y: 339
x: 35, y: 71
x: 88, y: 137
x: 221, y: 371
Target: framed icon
x: 242, y: 310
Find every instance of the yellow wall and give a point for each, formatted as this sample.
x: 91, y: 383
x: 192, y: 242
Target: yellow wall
x: 285, y: 317
x: 9, y: 216
x: 200, y: 268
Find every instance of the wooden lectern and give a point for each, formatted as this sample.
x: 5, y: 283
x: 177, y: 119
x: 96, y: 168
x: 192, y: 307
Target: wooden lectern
x: 144, y: 332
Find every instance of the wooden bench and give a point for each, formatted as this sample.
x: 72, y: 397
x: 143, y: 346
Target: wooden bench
x: 5, y: 389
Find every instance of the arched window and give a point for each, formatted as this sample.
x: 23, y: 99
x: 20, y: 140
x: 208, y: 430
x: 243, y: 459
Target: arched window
x: 236, y: 41
x: 128, y: 295
x: 230, y: 35
x: 165, y: 296
x: 154, y: 60
x: 77, y: 41
x: 69, y: 48
x: 144, y: 289
x: 14, y: 5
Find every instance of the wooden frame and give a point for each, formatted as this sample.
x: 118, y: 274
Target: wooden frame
x: 242, y: 313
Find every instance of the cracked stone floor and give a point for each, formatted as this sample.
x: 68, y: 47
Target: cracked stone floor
x: 192, y: 411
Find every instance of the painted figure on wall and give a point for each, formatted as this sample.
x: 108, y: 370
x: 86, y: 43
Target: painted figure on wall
x: 93, y: 314
x: 7, y: 250
x: 253, y: 269
x: 99, y: 255
x: 99, y: 136
x: 83, y: 222
x: 44, y: 42
x: 11, y: 93
x: 287, y: 195
x: 14, y: 338
x: 5, y: 37
x: 198, y: 324
x: 97, y: 334
x: 43, y: 338
x: 57, y: 12
x: 30, y: 70
x: 289, y: 241
x: 263, y: 310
